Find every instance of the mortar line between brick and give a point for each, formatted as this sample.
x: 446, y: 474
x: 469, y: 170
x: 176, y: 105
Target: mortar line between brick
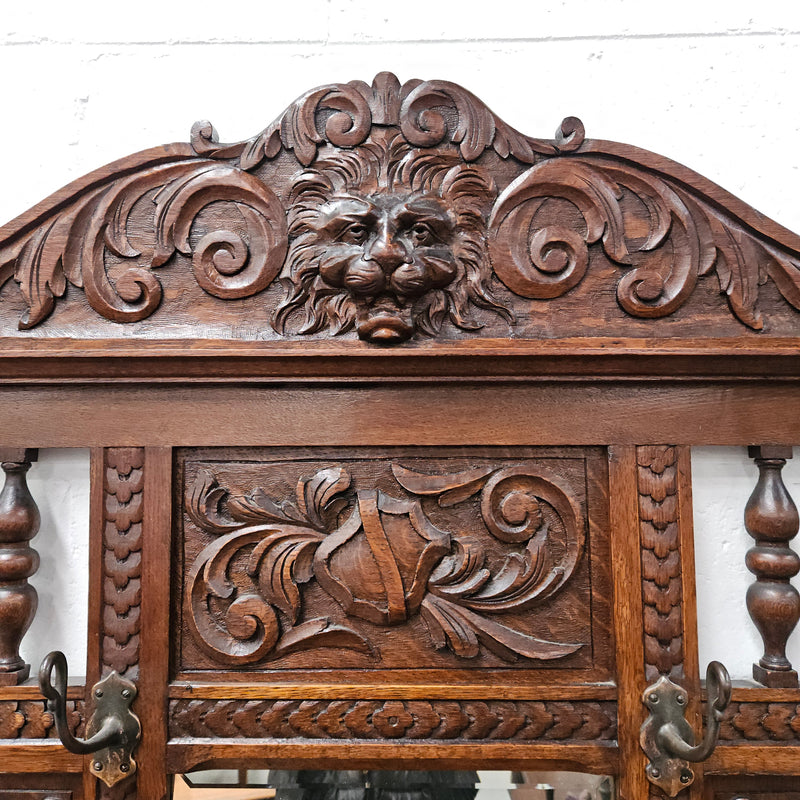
x: 616, y: 37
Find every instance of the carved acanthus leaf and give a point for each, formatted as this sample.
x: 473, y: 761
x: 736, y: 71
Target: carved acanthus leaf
x: 687, y: 237
x: 665, y: 227
x: 461, y: 629
x: 315, y: 496
x: 281, y: 561
x: 257, y: 508
x: 321, y: 633
x: 382, y: 560
x: 281, y: 547
x: 202, y: 504
x: 452, y: 488
x: 40, y: 272
x: 89, y: 244
x: 428, y: 113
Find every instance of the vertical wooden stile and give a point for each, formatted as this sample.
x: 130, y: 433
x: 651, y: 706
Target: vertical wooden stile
x: 154, y: 675
x: 117, y: 523
x: 95, y: 617
x: 624, y: 516
x: 691, y: 665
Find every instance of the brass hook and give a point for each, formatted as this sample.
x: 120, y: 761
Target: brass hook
x: 668, y: 739
x: 718, y: 686
x: 114, y: 730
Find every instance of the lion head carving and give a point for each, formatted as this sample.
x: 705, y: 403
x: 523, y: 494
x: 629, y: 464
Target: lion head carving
x: 388, y: 239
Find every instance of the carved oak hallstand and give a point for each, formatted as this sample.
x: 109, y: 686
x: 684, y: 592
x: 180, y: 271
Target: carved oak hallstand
x: 390, y: 410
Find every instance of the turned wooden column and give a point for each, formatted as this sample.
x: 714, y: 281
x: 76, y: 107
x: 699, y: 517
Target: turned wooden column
x: 774, y: 604
x: 19, y: 523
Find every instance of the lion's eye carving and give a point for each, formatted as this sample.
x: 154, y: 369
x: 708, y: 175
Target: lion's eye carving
x: 388, y: 240
x: 355, y: 233
x: 422, y: 234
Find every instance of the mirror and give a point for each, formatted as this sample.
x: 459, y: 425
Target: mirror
x: 259, y: 784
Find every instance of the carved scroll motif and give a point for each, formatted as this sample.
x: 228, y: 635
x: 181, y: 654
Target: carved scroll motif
x: 382, y: 560
x: 428, y: 113
x: 90, y: 245
x: 679, y: 238
x: 377, y: 207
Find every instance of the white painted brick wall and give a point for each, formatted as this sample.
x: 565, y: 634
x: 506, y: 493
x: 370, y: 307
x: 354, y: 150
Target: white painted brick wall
x: 712, y: 85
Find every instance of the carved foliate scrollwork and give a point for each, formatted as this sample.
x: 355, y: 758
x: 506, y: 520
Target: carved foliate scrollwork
x: 685, y: 238
x: 382, y: 560
x: 90, y: 246
x: 377, y: 206
x: 428, y: 113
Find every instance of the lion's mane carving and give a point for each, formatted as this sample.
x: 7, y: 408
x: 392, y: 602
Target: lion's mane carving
x: 390, y: 239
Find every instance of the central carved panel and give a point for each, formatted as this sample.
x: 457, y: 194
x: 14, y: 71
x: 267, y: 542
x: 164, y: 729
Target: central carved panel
x: 399, y: 559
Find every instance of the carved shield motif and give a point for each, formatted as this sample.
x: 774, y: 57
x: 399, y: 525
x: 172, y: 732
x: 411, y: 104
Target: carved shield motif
x: 282, y: 576
x: 377, y: 564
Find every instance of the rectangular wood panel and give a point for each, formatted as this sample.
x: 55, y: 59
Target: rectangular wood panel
x: 450, y: 564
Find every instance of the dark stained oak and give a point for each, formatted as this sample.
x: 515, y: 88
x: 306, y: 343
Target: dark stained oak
x: 390, y: 409
x: 458, y: 412
x: 668, y: 593
x: 598, y: 758
x: 450, y: 552
x: 771, y: 518
x: 19, y: 523
x: 628, y: 614
x: 115, y: 578
x: 394, y: 212
x: 152, y: 780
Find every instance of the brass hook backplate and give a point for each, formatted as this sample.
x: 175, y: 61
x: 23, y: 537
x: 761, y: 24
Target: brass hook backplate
x: 666, y: 736
x: 113, y: 730
x: 112, y: 700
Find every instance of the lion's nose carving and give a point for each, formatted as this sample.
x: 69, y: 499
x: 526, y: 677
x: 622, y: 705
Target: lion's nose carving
x: 388, y: 254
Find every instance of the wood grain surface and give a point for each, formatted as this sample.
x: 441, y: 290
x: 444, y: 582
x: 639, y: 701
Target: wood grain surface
x: 390, y: 408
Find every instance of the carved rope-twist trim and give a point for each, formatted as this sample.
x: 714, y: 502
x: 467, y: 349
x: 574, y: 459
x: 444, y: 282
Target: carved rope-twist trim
x: 393, y: 719
x: 751, y: 721
x: 122, y: 545
x: 30, y: 719
x: 661, y: 562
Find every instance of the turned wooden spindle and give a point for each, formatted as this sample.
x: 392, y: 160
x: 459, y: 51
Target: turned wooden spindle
x: 771, y: 518
x: 19, y: 523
